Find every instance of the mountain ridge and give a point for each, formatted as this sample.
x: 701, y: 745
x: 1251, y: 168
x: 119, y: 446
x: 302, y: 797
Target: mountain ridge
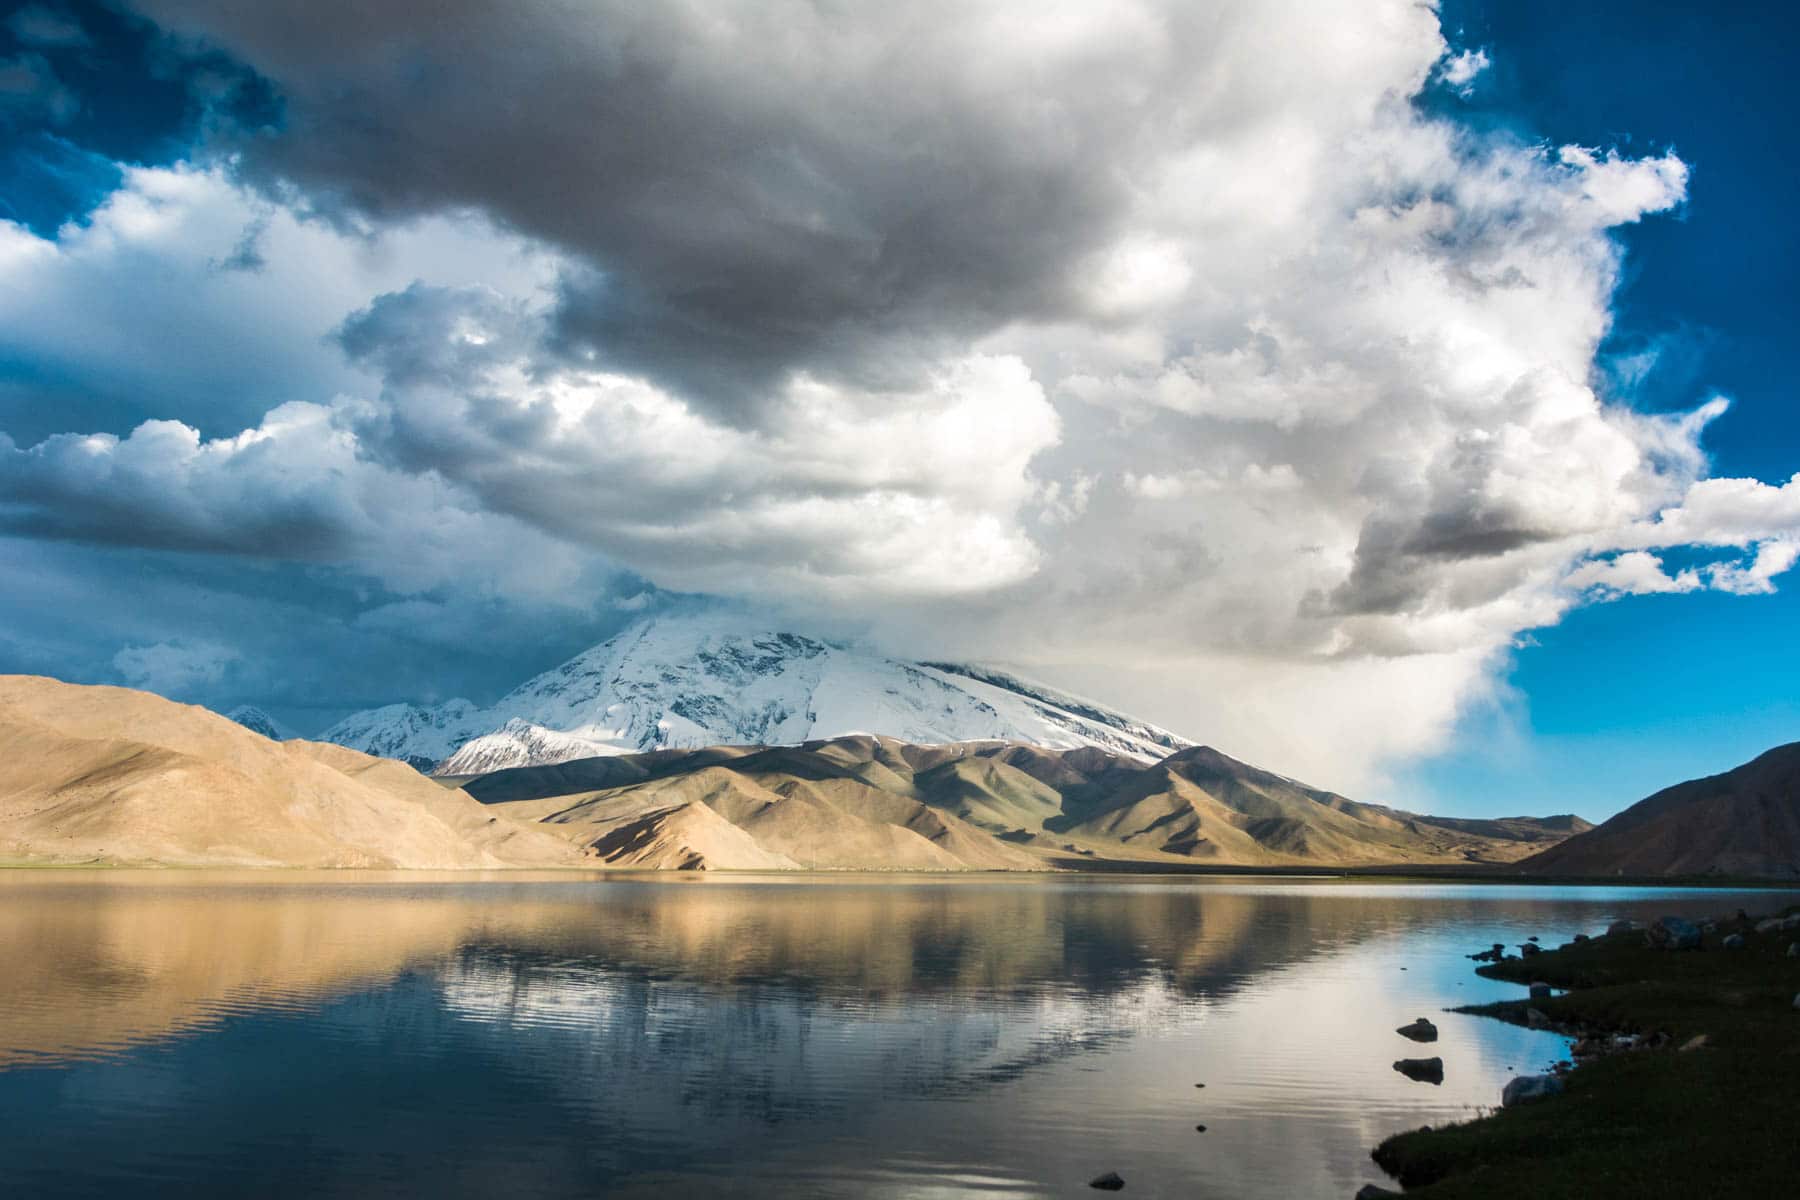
x: 1745, y: 821
x: 988, y: 804
x: 99, y: 774
x: 684, y: 682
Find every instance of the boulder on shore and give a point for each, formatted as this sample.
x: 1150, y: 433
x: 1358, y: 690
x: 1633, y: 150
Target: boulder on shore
x: 1422, y: 1070
x: 1109, y: 1182
x: 1540, y: 991
x: 1618, y: 927
x: 1733, y: 941
x: 1526, y: 1088
x: 1420, y: 1030
x: 1673, y: 933
x: 1372, y: 1191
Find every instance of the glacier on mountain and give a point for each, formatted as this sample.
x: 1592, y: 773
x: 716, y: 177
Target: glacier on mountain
x: 683, y: 682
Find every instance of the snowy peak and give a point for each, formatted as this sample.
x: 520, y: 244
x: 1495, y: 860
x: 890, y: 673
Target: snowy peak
x: 420, y: 736
x: 518, y: 743
x: 688, y: 682
x: 1104, y: 727
x: 258, y: 721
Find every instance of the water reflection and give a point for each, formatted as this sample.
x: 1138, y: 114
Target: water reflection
x: 562, y: 1035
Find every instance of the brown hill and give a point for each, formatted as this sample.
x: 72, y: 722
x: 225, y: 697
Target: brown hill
x: 98, y: 774
x: 1201, y: 804
x: 112, y: 775
x: 1743, y: 822
x: 868, y: 802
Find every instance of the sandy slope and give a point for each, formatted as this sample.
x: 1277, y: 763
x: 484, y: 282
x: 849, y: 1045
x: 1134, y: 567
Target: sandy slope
x: 114, y: 775
x: 1743, y: 822
x: 868, y: 802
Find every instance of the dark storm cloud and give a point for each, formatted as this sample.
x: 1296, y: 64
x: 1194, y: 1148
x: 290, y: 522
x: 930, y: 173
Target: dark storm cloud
x: 161, y: 489
x: 305, y: 642
x: 758, y: 188
x: 42, y: 25
x: 87, y: 87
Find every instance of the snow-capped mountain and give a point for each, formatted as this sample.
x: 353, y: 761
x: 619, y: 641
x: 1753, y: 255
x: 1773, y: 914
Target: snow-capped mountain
x: 258, y: 721
x: 421, y: 736
x: 691, y: 681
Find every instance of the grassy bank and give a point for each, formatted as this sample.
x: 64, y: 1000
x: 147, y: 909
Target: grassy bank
x: 1720, y: 1119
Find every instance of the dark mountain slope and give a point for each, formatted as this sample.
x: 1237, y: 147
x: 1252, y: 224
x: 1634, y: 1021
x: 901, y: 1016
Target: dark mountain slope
x: 1743, y: 822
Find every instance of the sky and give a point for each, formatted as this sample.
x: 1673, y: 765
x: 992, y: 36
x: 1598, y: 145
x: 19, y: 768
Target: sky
x: 1390, y: 395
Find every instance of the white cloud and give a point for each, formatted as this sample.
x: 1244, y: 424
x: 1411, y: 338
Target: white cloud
x: 840, y: 491
x: 1721, y: 512
x: 1256, y: 398
x: 1633, y: 573
x: 1460, y: 69
x: 136, y: 306
x: 1756, y: 578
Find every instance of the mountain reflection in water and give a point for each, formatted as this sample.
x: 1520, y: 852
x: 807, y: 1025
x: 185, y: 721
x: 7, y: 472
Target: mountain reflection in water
x: 563, y: 1035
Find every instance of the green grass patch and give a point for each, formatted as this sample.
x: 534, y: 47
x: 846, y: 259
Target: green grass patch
x: 1721, y: 1120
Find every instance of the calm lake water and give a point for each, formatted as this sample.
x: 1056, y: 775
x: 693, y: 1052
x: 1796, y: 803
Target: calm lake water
x: 198, y: 1034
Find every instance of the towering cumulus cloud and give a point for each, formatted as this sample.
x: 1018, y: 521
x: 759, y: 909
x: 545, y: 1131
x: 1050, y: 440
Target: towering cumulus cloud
x: 1174, y: 337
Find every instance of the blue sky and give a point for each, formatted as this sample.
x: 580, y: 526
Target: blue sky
x: 1394, y: 398
x: 1622, y: 698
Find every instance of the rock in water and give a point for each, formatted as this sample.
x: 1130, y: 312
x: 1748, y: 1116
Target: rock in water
x: 1422, y: 1070
x: 1673, y: 933
x: 1370, y: 1191
x: 1734, y: 941
x: 1540, y: 991
x: 1527, y: 949
x: 1618, y: 927
x: 1109, y: 1182
x: 1793, y: 950
x: 1526, y: 1088
x: 1420, y: 1030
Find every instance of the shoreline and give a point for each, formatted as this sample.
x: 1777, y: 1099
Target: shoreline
x: 1689, y: 1087
x: 1397, y: 874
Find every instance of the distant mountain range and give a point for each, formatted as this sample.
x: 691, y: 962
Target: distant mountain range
x: 1743, y: 822
x: 689, y: 682
x: 97, y: 774
x: 864, y: 802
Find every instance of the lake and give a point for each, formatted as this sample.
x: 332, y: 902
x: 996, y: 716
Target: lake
x: 167, y: 1033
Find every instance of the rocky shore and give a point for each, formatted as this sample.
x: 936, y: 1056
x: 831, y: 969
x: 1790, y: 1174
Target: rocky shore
x: 1684, y: 1077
